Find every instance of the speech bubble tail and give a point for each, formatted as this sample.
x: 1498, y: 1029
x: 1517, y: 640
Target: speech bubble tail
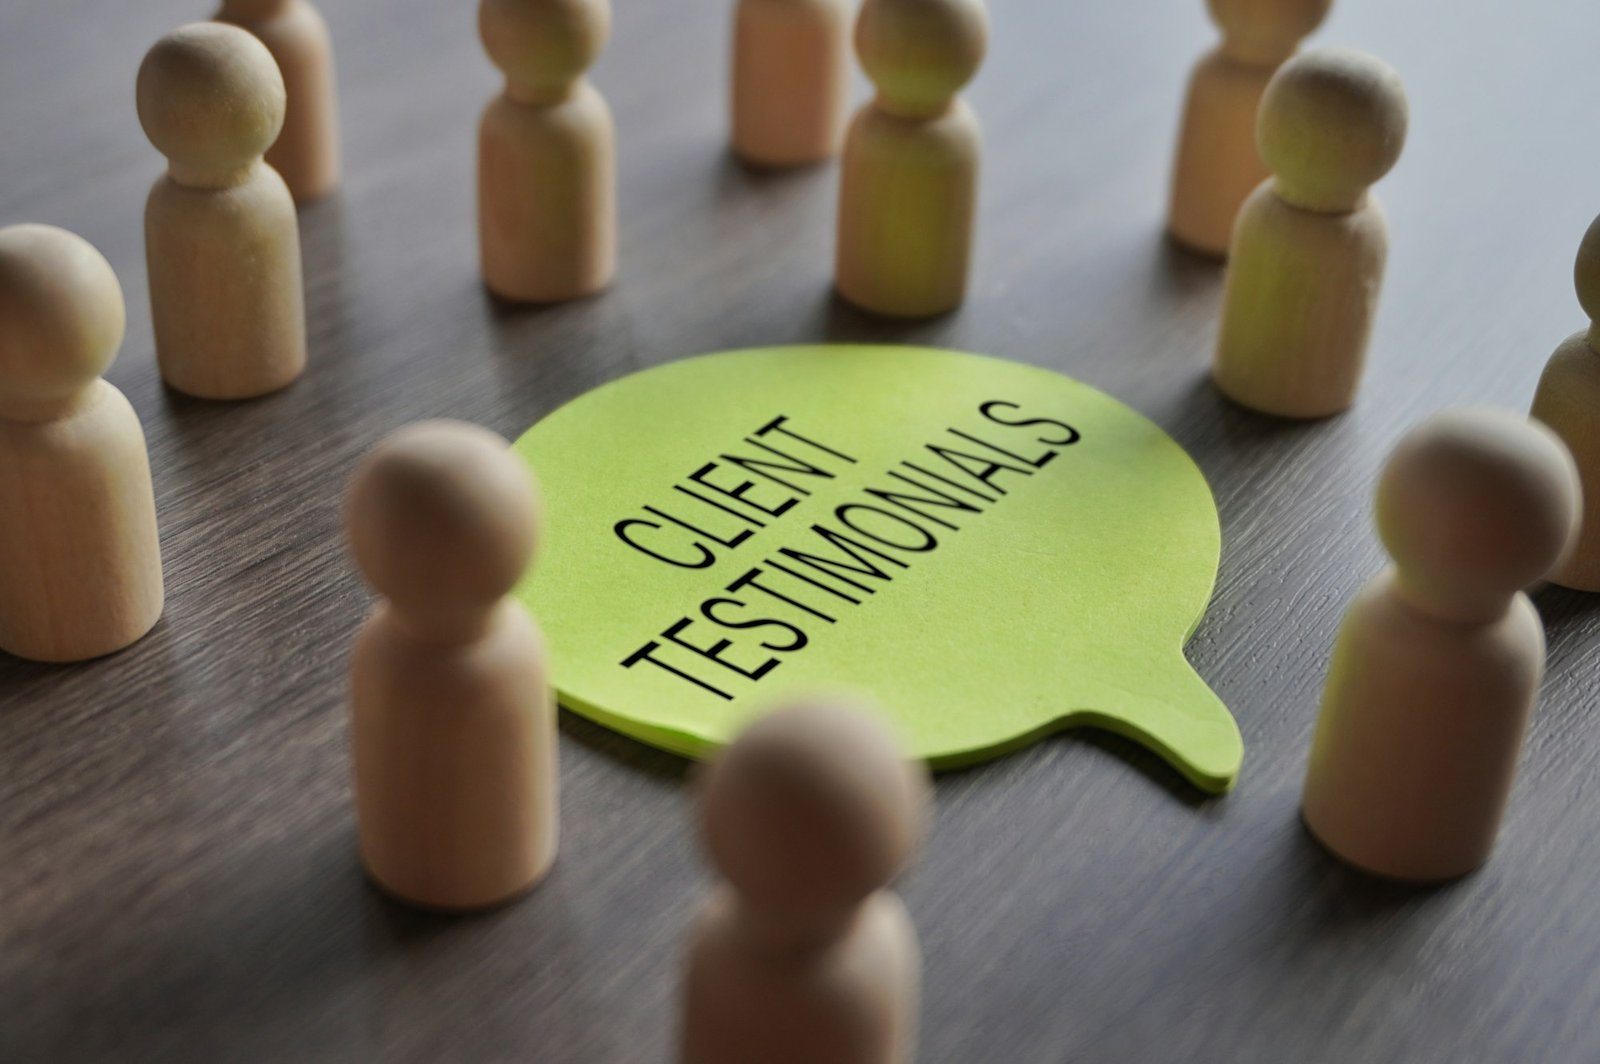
x: 1176, y: 715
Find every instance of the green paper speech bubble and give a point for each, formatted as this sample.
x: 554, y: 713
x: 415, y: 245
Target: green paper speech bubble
x: 992, y: 551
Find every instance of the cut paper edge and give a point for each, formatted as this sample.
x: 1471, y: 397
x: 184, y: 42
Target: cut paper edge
x: 1216, y: 777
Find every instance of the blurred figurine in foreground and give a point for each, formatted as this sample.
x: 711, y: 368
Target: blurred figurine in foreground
x: 306, y: 153
x: 1438, y: 664
x: 1218, y: 165
x: 803, y: 956
x: 453, y: 723
x: 80, y: 562
x: 1568, y: 400
x: 1308, y: 251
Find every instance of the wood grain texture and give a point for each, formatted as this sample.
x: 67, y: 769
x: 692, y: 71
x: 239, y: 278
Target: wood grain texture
x: 178, y: 876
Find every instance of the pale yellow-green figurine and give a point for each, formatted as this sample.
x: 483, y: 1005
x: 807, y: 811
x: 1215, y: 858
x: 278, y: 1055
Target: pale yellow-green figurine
x: 909, y: 188
x: 1308, y: 251
x: 1568, y: 400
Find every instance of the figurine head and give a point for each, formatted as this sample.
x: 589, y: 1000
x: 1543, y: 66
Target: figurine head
x: 1266, y: 31
x: 61, y: 319
x: 812, y: 809
x: 211, y: 100
x: 544, y: 46
x: 1475, y: 505
x: 442, y: 519
x: 919, y: 53
x: 1586, y: 272
x: 1332, y: 122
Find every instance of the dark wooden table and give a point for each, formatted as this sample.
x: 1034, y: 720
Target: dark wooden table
x: 177, y: 850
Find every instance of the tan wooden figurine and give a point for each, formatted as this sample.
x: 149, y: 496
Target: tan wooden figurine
x: 1309, y: 246
x: 1218, y: 165
x: 791, y: 80
x: 221, y: 237
x: 80, y: 562
x: 908, y: 190
x: 547, y: 197
x: 1438, y: 664
x: 1568, y: 400
x: 453, y: 723
x: 802, y: 956
x: 306, y: 153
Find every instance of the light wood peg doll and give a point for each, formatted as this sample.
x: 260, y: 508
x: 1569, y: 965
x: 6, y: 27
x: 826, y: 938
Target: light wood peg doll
x: 80, y: 561
x: 802, y: 956
x: 453, y: 723
x: 1568, y: 400
x: 547, y: 198
x: 1309, y: 246
x: 908, y: 189
x: 1437, y: 666
x: 1218, y: 165
x: 791, y: 80
x: 221, y: 238
x: 306, y: 153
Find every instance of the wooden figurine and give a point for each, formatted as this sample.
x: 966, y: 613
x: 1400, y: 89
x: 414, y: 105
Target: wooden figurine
x: 547, y: 198
x: 306, y: 153
x: 803, y: 956
x: 80, y: 562
x: 908, y: 190
x: 1218, y: 165
x: 221, y: 236
x: 454, y: 727
x: 1438, y: 664
x: 1568, y: 400
x: 791, y: 80
x: 1309, y: 247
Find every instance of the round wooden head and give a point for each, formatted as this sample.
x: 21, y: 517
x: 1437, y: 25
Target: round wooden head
x: 544, y: 46
x: 919, y: 53
x: 211, y: 100
x: 1586, y: 273
x: 442, y: 519
x: 1474, y: 505
x: 813, y: 809
x: 1266, y: 31
x: 1332, y: 122
x: 61, y: 318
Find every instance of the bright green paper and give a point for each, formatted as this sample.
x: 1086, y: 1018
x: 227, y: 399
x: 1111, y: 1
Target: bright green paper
x: 1031, y: 577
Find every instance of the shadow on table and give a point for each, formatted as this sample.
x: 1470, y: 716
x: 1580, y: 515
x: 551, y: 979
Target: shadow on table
x: 276, y: 953
x: 1563, y: 608
x: 840, y: 322
x: 634, y: 754
x: 1147, y: 764
x: 735, y: 177
x: 1183, y: 275
x: 1340, y: 896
